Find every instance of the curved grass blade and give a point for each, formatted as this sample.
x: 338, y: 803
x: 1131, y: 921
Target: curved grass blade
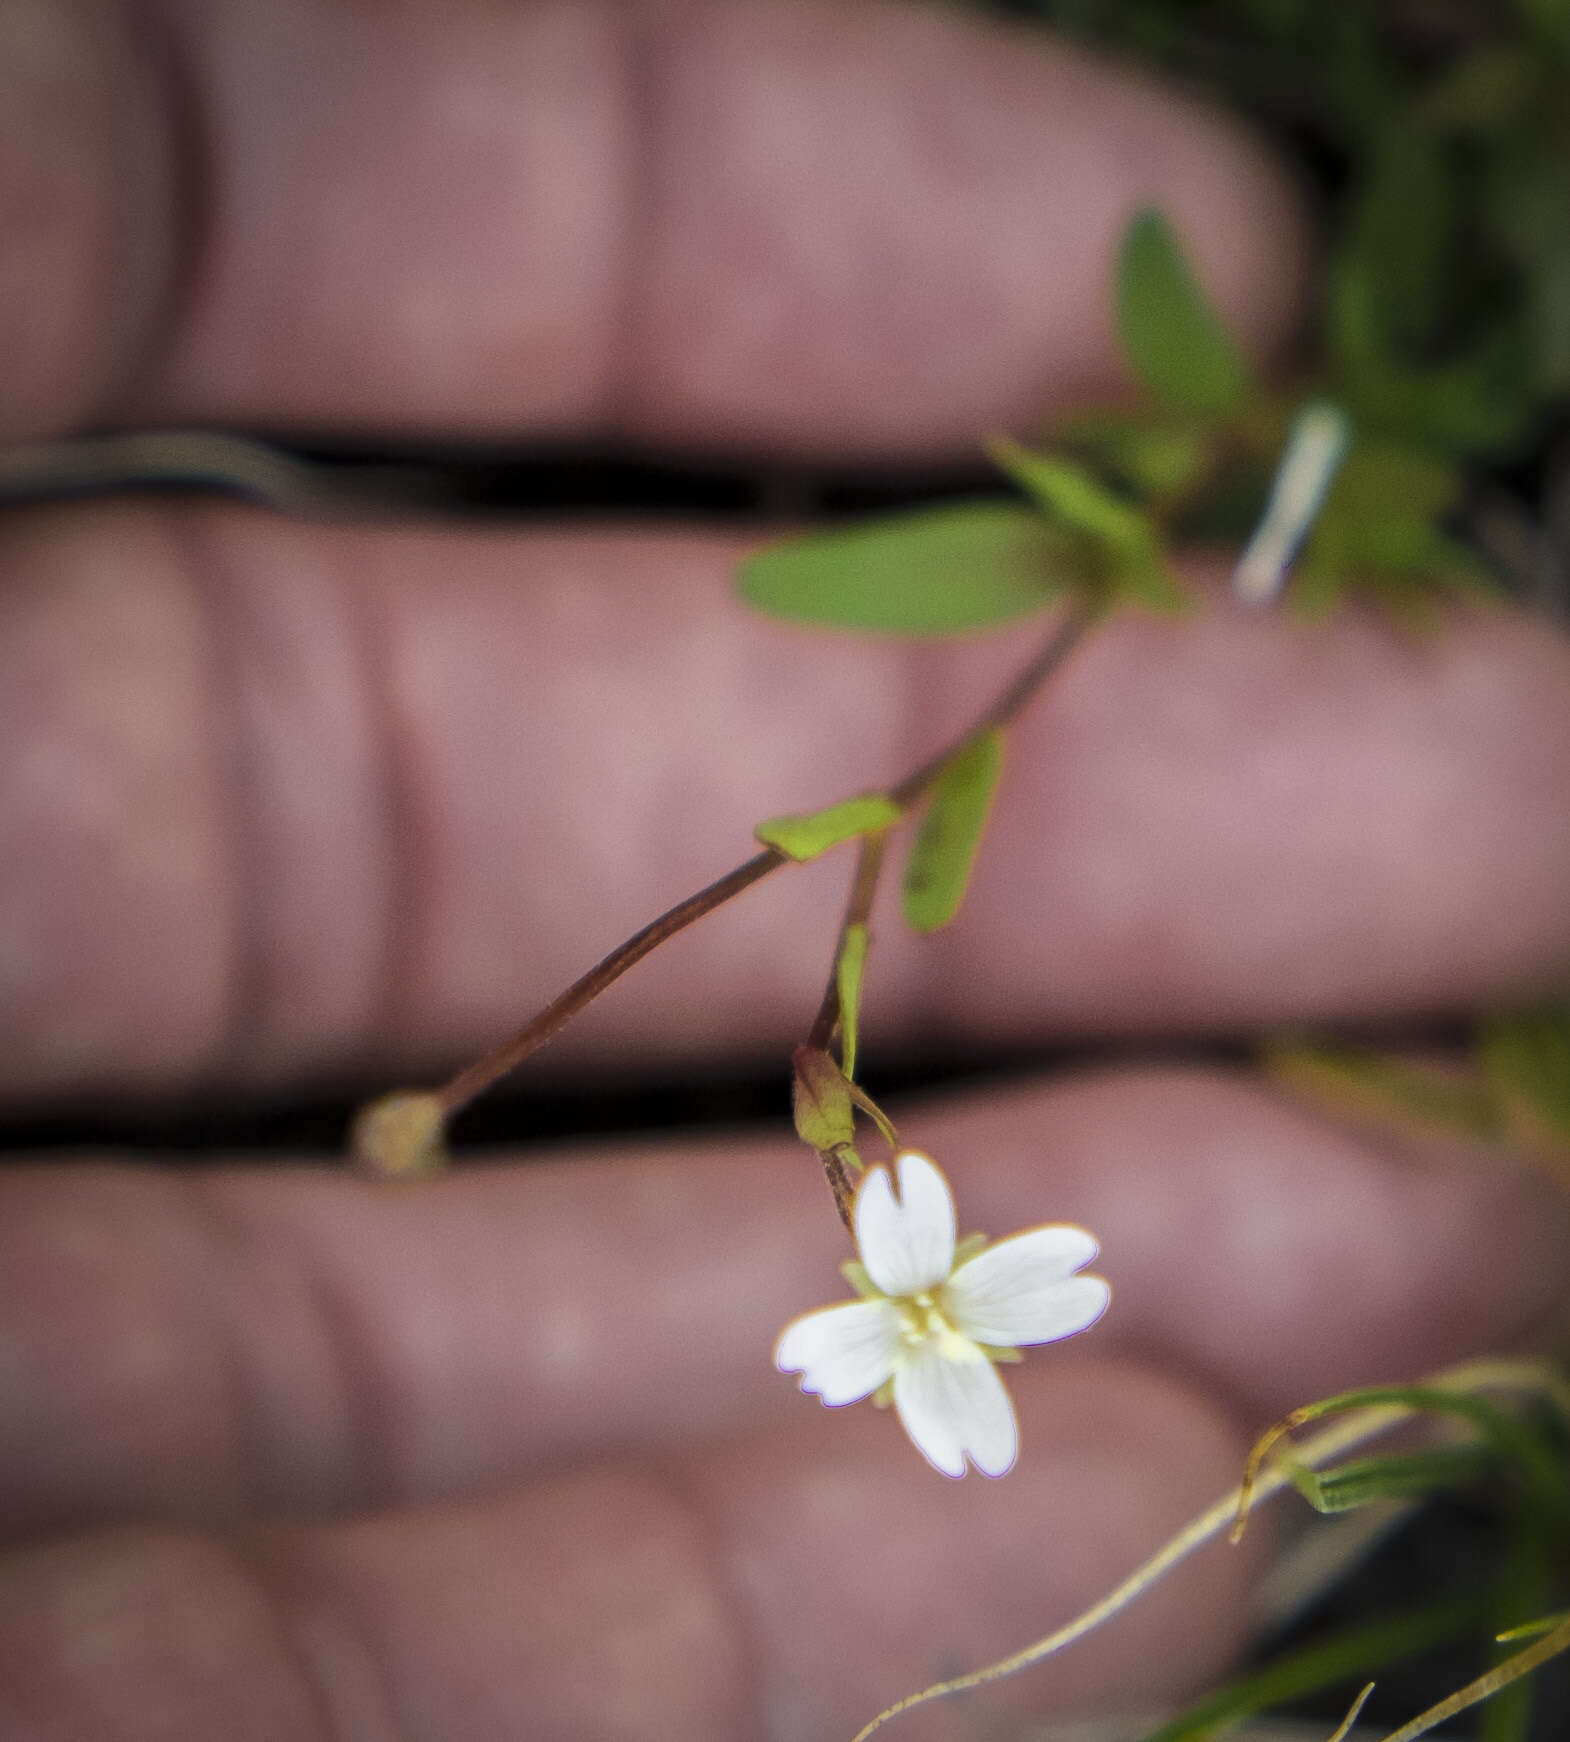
x: 1349, y: 1652
x: 1501, y: 1676
x: 1511, y: 1437
x: 1529, y: 1377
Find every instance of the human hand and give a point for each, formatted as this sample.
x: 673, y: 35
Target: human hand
x: 288, y: 1454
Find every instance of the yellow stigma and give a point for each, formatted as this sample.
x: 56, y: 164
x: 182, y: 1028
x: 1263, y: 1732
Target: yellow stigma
x: 922, y: 1320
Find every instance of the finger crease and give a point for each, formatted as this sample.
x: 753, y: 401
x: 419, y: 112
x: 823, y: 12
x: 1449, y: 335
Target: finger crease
x: 235, y: 785
x: 186, y: 167
x: 746, y: 1648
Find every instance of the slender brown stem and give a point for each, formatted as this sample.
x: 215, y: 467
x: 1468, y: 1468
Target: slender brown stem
x: 479, y: 1076
x: 1066, y: 635
x: 858, y: 910
x: 476, y: 1078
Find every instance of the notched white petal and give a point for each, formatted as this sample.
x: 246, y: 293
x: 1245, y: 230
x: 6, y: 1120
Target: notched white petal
x: 906, y: 1244
x: 843, y: 1353
x: 956, y: 1408
x: 1022, y: 1289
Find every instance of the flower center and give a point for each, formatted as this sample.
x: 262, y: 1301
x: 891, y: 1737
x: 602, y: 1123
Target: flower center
x: 922, y: 1320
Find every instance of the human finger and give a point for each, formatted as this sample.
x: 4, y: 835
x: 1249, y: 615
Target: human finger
x: 281, y: 799
x: 779, y: 1586
x: 880, y: 230
x: 208, y: 1346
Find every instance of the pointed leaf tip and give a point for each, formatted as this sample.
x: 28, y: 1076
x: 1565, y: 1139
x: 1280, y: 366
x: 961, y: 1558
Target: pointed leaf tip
x: 939, y: 571
x: 806, y: 835
x: 938, y: 870
x: 848, y: 971
x: 1176, y: 343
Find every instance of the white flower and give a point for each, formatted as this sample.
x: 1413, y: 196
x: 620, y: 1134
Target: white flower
x: 930, y: 1329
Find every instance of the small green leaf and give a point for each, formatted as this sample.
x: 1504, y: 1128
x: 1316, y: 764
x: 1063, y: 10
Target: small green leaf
x: 1071, y: 494
x: 848, y: 970
x: 1178, y: 347
x: 1119, y: 544
x: 935, y: 572
x: 940, y: 862
x: 814, y: 832
x: 1161, y: 462
x: 1381, y: 524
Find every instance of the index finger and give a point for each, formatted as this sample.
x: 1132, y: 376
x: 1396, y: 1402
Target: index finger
x: 874, y: 228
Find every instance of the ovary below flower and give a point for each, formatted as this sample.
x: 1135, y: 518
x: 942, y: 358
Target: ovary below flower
x: 930, y: 1328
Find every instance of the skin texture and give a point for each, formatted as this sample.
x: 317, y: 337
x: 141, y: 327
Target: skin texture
x: 288, y: 1455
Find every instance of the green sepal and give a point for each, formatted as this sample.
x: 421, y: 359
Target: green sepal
x: 821, y: 1100
x: 807, y: 835
x: 875, y: 1113
x: 884, y: 1395
x: 855, y: 1273
x: 1175, y: 341
x: 1009, y: 1357
x: 849, y: 967
x: 938, y: 571
x: 970, y: 1247
x: 938, y: 869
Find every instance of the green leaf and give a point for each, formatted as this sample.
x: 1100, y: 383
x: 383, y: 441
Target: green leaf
x: 939, y: 866
x: 813, y: 832
x: 1521, y: 1446
x: 1403, y: 220
x: 1071, y: 494
x: 1401, y: 1476
x: 1412, y: 1097
x: 1178, y: 347
x: 1380, y: 523
x: 1161, y: 462
x: 939, y: 571
x: 1479, y: 401
x: 848, y: 970
x: 1120, y: 545
x: 1343, y: 1656
x: 1525, y: 1056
